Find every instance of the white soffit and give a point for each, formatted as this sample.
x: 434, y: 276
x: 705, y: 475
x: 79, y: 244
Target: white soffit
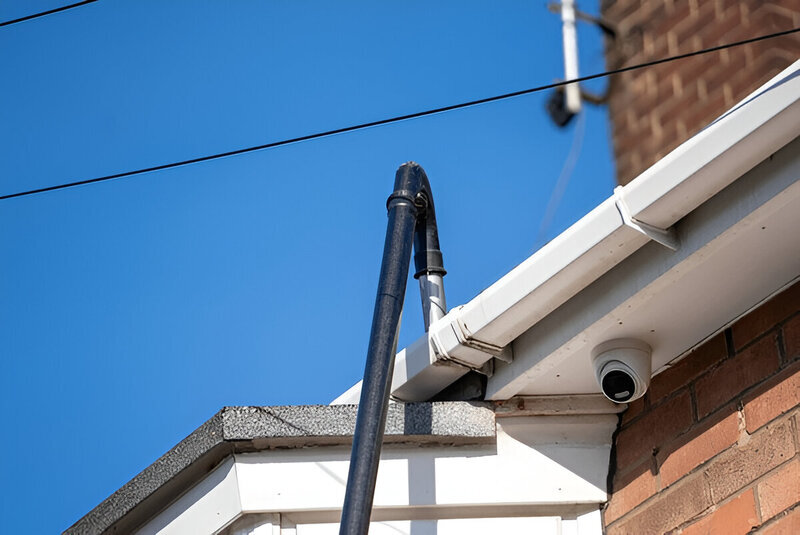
x: 484, y: 328
x: 736, y: 250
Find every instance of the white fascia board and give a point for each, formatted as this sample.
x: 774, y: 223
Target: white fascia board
x: 704, y: 165
x: 472, y: 334
x: 206, y: 508
x: 733, y: 144
x: 569, y: 454
x: 737, y: 249
x: 566, y: 451
x: 537, y: 286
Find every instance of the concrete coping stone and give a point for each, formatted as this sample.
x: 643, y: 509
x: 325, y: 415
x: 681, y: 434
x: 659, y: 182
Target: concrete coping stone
x: 246, y: 429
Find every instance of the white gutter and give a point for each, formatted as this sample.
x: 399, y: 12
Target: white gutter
x: 469, y: 336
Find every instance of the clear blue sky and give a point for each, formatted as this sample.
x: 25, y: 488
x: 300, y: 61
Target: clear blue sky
x: 132, y: 310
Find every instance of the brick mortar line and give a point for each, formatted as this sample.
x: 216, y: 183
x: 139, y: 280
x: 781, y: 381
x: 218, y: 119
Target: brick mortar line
x: 777, y: 518
x: 714, y: 505
x: 783, y: 359
x: 708, y: 511
x: 650, y: 406
x: 661, y: 42
x: 754, y: 483
x: 695, y: 410
x: 778, y: 326
x: 711, y: 459
x: 738, y: 402
x: 642, y: 506
x: 783, y: 364
x: 789, y: 412
x: 782, y: 325
x: 630, y: 47
x: 693, y: 19
x: 675, y: 101
x: 635, y: 419
x: 756, y: 498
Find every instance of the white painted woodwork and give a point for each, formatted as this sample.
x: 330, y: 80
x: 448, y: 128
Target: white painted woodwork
x: 206, y: 508
x: 542, y: 469
x: 736, y: 250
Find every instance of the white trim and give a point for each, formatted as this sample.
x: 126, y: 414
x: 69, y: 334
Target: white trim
x: 552, y: 465
x: 468, y: 336
x: 736, y: 249
x: 207, y: 507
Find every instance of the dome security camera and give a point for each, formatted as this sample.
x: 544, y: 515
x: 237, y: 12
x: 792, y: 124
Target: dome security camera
x: 622, y: 368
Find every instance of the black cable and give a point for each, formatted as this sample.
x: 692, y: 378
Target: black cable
x: 394, y: 119
x: 44, y: 13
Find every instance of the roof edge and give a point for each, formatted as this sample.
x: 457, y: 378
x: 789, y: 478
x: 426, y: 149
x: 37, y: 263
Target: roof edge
x: 255, y: 428
x: 473, y: 334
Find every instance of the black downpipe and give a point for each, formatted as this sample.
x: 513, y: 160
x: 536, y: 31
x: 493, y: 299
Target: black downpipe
x: 411, y: 216
x: 427, y: 256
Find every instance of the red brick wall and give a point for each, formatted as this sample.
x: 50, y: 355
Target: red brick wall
x: 714, y: 447
x: 653, y: 110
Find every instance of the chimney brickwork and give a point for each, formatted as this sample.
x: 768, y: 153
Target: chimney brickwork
x: 653, y: 110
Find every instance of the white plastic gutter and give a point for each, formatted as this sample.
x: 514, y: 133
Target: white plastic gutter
x: 469, y: 336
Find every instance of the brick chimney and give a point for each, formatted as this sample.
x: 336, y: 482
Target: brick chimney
x: 712, y: 446
x: 653, y: 110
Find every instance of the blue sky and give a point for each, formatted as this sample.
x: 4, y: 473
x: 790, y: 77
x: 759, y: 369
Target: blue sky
x: 132, y: 310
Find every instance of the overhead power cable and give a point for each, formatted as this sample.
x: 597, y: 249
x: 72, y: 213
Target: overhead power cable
x: 391, y: 120
x: 45, y: 13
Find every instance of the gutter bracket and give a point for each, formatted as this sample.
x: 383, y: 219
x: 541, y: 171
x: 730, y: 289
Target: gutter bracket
x: 443, y: 357
x: 666, y: 237
x: 465, y: 338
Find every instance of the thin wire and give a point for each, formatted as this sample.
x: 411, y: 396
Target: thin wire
x: 45, y: 13
x: 392, y: 119
x: 563, y: 179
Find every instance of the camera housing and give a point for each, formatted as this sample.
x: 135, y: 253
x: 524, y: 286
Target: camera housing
x: 622, y: 368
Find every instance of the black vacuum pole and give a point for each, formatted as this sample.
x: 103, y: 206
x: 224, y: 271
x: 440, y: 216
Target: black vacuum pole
x: 411, y: 219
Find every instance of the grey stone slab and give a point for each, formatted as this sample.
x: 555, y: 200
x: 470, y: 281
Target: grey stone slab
x: 239, y: 429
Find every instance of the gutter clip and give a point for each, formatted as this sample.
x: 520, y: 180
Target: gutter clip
x: 666, y: 237
x: 482, y: 364
x: 466, y: 338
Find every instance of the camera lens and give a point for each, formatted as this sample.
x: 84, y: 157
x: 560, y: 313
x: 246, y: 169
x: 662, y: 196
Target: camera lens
x: 618, y: 386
